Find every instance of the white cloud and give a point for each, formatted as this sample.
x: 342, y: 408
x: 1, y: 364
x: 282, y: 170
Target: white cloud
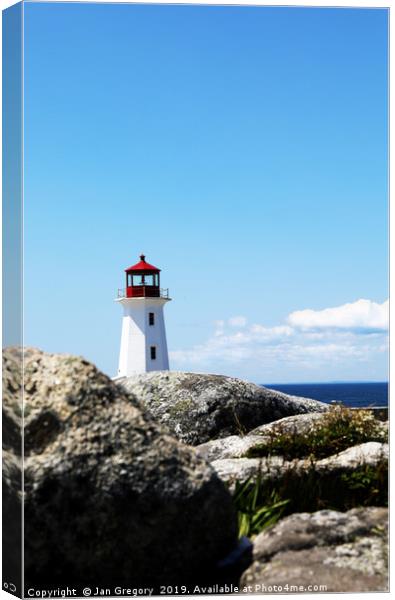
x: 271, y: 332
x: 219, y: 327
x: 349, y: 335
x: 362, y: 315
x: 237, y: 321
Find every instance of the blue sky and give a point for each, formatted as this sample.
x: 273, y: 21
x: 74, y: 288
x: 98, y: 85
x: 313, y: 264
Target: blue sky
x: 243, y: 150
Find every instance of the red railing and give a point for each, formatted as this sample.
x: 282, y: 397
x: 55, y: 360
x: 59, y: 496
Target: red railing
x: 143, y: 291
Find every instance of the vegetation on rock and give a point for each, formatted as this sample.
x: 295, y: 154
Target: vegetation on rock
x: 254, y: 511
x: 263, y: 502
x: 337, y: 430
x: 304, y: 486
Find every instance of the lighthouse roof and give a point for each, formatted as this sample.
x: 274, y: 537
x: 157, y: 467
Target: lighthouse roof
x: 143, y: 266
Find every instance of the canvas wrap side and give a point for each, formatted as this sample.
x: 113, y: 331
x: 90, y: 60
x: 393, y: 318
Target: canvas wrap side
x: 12, y: 294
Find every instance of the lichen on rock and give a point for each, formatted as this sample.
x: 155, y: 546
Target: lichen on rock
x: 341, y: 551
x: 198, y: 408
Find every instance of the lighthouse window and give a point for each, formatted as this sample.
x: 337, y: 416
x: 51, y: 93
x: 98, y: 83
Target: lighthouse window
x: 153, y: 352
x: 151, y: 318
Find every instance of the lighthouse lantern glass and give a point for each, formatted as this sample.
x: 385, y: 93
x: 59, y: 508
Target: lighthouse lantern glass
x: 142, y: 279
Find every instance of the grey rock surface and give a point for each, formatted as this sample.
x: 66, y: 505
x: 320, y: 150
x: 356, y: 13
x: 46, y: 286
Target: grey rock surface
x: 12, y: 466
x: 237, y: 446
x: 304, y: 424
x: 272, y: 468
x: 275, y: 467
x: 344, y: 551
x: 233, y: 446
x: 197, y: 407
x: 301, y: 424
x: 110, y: 497
x: 369, y: 453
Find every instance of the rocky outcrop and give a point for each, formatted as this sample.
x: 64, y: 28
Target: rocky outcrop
x: 333, y: 470
x: 110, y: 497
x: 197, y: 408
x: 259, y: 440
x: 233, y: 446
x: 300, y: 424
x: 239, y: 446
x: 341, y: 552
x: 357, y: 476
x: 280, y: 456
x: 369, y: 454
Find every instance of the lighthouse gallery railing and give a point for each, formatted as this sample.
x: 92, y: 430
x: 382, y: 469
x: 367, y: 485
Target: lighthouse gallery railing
x: 143, y: 291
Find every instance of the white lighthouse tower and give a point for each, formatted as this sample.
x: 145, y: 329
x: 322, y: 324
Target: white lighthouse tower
x: 143, y: 338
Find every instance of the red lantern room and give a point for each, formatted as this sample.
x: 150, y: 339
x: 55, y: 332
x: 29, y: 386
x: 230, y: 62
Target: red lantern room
x: 142, y: 280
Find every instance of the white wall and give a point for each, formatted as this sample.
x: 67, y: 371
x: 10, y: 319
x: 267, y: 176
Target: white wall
x: 138, y: 336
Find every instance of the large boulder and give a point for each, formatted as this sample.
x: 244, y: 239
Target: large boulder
x: 110, y: 497
x: 12, y: 468
x: 325, y: 551
x: 197, y: 408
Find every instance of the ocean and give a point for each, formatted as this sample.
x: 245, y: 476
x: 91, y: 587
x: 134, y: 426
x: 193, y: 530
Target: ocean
x: 350, y: 394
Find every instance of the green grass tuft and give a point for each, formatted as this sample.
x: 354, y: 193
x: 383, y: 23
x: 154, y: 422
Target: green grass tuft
x: 255, y: 509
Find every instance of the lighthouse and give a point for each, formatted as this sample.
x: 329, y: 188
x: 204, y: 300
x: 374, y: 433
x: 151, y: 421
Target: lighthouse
x: 143, y: 337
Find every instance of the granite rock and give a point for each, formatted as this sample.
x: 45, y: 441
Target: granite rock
x: 197, y: 407
x: 341, y: 551
x: 110, y: 497
x: 369, y: 454
x: 238, y: 446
